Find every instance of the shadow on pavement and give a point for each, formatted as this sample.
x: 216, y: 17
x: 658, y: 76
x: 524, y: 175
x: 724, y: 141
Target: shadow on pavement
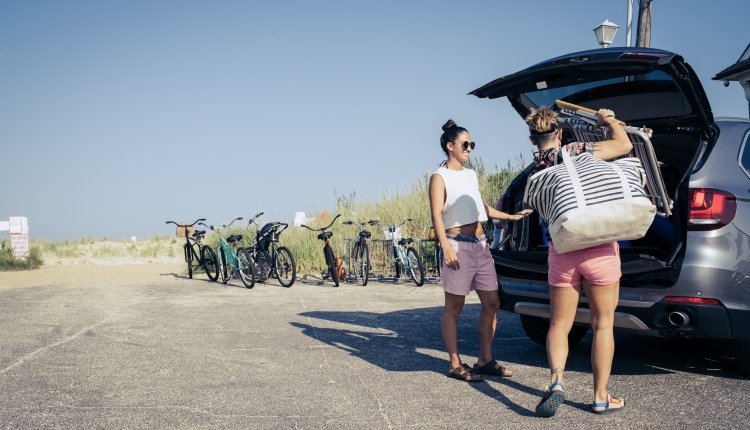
x: 394, y: 341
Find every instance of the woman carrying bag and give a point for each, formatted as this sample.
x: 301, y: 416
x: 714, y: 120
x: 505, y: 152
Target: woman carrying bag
x: 594, y: 270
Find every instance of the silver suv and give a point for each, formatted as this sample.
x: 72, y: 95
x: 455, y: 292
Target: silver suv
x: 690, y: 275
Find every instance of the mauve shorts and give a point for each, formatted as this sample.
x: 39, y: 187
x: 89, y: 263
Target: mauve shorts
x: 476, y: 269
x: 598, y: 265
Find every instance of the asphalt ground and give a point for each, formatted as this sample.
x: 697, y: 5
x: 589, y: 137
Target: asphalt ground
x: 163, y: 351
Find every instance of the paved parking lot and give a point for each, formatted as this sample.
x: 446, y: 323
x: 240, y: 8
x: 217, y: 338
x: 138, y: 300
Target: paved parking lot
x: 160, y: 351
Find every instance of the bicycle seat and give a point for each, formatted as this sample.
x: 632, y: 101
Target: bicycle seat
x: 325, y: 235
x: 234, y: 238
x: 365, y: 234
x: 199, y: 233
x: 403, y: 242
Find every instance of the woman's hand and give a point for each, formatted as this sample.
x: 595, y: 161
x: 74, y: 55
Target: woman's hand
x: 607, y: 116
x: 523, y: 214
x: 451, y: 258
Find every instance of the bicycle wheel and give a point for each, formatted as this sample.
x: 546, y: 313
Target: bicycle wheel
x: 364, y: 261
x: 331, y: 262
x: 223, y: 266
x: 209, y: 263
x: 356, y: 260
x: 416, y: 270
x: 189, y: 260
x: 247, y: 268
x: 285, y: 267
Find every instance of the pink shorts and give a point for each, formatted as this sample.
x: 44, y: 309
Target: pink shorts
x: 598, y: 265
x: 476, y: 269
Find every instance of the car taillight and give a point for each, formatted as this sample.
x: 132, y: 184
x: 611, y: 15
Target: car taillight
x: 711, y: 209
x: 691, y: 300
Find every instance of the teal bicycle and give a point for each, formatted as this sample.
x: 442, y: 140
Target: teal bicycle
x: 404, y: 256
x: 234, y: 257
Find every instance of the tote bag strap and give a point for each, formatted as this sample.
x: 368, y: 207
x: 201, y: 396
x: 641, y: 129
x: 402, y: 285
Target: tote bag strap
x: 627, y: 192
x: 574, y: 179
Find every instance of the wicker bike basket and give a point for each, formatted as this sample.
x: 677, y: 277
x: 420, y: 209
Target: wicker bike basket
x: 181, y: 231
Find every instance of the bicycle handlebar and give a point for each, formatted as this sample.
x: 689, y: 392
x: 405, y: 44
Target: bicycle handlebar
x: 186, y: 225
x: 372, y: 222
x: 255, y: 217
x: 324, y: 228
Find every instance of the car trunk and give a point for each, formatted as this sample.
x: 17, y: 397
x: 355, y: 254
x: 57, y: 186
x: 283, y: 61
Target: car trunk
x: 646, y: 88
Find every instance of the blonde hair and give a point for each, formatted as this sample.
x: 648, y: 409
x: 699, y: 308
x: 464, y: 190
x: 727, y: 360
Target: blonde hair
x: 542, y: 121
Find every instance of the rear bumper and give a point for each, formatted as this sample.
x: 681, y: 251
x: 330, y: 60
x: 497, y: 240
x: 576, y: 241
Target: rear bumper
x: 703, y: 321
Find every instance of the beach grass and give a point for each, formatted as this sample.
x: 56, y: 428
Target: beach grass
x: 390, y: 209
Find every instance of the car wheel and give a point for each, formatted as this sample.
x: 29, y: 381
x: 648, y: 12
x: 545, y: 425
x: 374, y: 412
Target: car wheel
x: 742, y: 355
x: 536, y: 329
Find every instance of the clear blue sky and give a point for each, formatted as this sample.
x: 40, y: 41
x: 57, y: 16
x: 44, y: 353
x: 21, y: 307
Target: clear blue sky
x: 118, y: 115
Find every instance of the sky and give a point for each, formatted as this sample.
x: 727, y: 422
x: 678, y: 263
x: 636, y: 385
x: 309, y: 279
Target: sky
x: 116, y: 116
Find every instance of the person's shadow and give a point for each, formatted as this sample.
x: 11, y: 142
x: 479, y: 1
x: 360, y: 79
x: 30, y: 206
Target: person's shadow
x: 395, y: 341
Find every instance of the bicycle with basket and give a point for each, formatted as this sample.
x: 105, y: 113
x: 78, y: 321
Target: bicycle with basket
x: 271, y: 260
x: 195, y: 251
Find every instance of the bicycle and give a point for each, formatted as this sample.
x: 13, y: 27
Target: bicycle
x: 195, y: 250
x: 238, y: 258
x: 361, y: 252
x: 405, y: 257
x: 335, y: 268
x: 278, y: 262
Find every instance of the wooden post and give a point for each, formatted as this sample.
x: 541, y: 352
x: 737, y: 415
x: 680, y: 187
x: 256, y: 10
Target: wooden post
x: 644, y: 24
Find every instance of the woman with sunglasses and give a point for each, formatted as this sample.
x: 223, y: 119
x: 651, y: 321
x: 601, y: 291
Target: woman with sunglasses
x: 457, y: 214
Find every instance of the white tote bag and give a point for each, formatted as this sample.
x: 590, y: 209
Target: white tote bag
x: 587, y: 201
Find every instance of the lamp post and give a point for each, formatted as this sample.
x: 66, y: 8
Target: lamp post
x: 605, y: 33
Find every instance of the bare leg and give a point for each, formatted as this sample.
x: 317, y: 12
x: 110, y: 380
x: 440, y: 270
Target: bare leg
x: 563, y: 304
x: 448, y: 327
x: 602, y: 303
x: 487, y: 324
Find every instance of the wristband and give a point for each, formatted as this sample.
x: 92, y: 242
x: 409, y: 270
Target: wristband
x: 610, y: 116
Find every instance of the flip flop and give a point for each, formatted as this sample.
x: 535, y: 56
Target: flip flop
x: 550, y: 401
x: 492, y: 368
x: 606, y: 405
x: 463, y: 373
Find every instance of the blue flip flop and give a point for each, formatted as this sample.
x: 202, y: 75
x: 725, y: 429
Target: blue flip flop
x: 605, y: 405
x: 550, y: 401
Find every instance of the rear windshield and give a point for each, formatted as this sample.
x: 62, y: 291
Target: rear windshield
x: 632, y: 98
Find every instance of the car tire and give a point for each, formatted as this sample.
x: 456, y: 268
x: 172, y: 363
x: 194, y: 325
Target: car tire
x: 742, y: 356
x: 536, y: 329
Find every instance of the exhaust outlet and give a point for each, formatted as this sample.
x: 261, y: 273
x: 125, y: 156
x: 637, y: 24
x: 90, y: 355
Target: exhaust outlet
x: 678, y: 319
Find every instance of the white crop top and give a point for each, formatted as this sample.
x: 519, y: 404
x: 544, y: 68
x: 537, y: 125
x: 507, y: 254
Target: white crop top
x: 463, y: 203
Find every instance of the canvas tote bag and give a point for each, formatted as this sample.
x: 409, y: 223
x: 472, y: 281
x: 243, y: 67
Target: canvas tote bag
x: 587, y: 201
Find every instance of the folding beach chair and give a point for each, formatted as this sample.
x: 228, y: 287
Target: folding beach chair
x: 582, y: 123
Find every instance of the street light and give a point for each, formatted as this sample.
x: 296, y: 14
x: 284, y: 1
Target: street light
x: 605, y: 33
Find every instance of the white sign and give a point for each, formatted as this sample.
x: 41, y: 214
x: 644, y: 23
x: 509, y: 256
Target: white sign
x: 18, y: 225
x: 19, y: 243
x: 4, y: 225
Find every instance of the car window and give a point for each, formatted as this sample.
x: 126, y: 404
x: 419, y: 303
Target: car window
x: 745, y: 155
x: 654, y: 95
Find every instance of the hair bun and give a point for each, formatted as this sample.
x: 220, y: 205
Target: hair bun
x: 448, y: 125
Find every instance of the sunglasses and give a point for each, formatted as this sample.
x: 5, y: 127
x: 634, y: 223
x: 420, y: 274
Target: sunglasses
x: 466, y: 145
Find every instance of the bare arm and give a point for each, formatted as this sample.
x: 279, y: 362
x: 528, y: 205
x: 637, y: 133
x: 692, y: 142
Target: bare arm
x: 496, y: 214
x: 437, y: 204
x: 616, y: 147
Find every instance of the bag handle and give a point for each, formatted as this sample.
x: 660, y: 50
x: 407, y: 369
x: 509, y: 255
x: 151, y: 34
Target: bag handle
x: 576, y: 180
x: 577, y: 187
x: 623, y: 180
